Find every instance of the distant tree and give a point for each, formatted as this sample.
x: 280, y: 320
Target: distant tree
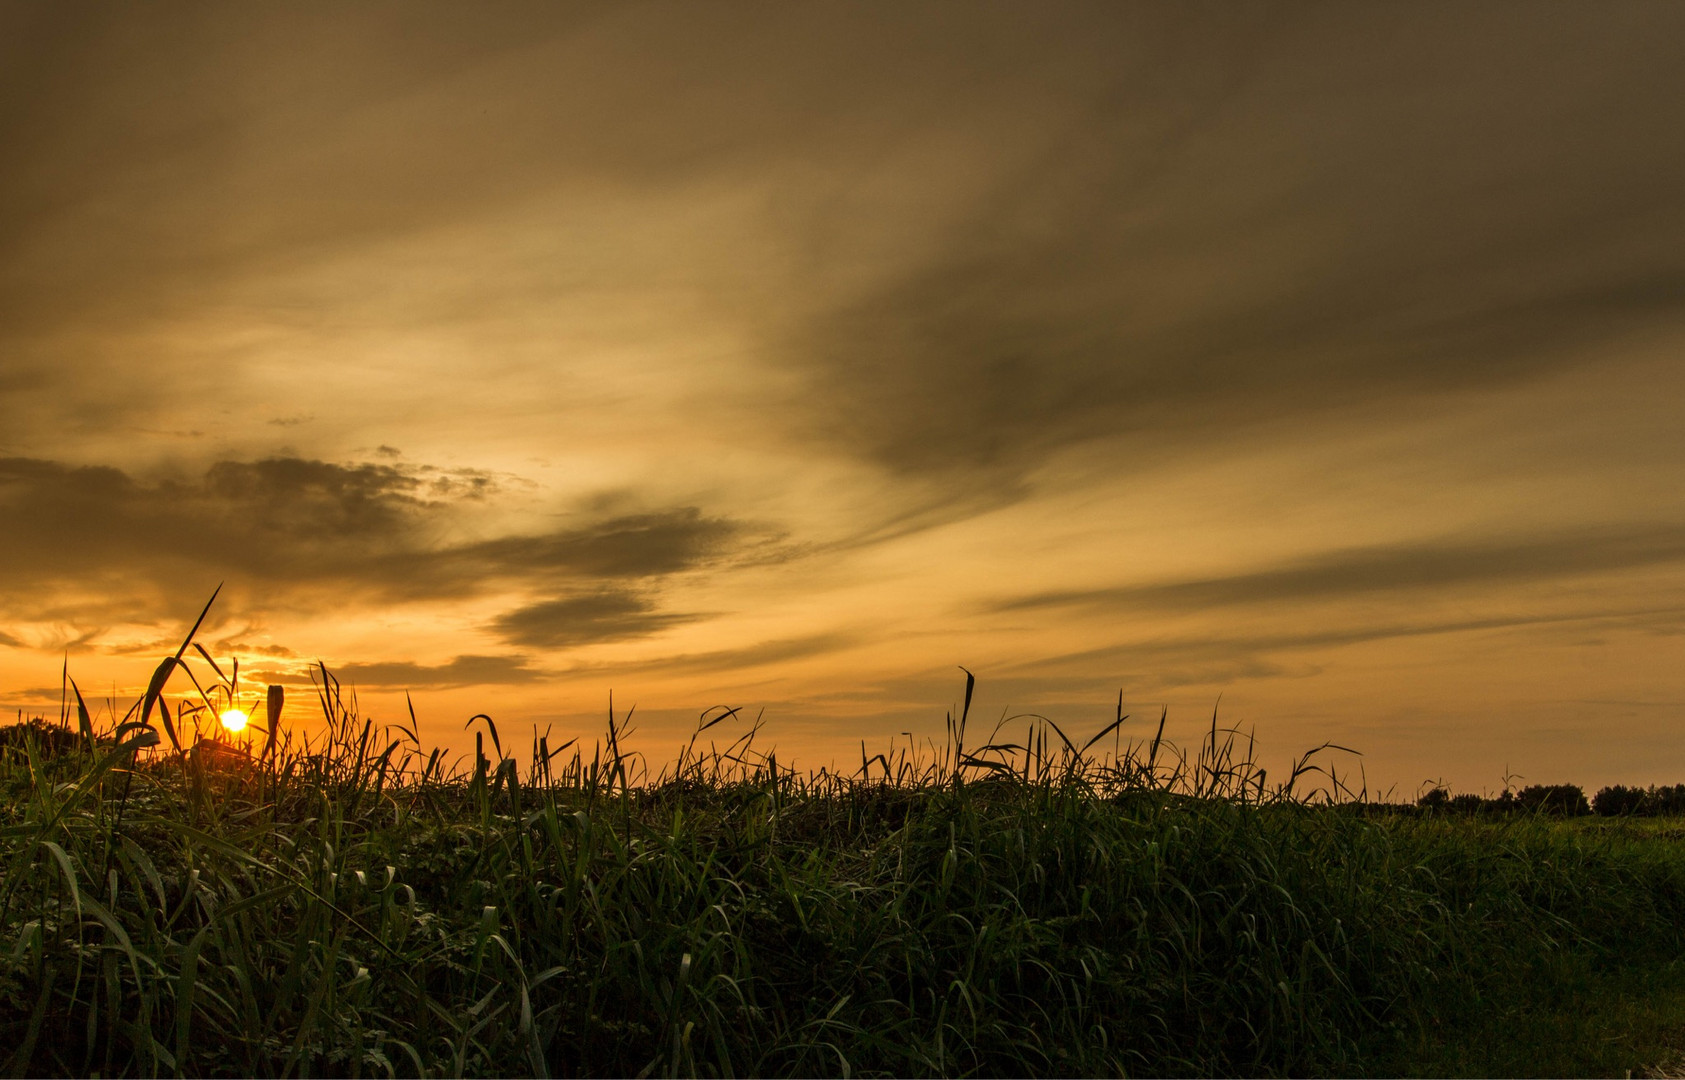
x: 1467, y: 804
x: 1620, y: 801
x: 1667, y: 800
x: 1567, y: 799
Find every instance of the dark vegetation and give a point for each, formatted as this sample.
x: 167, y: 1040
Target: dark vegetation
x: 1564, y: 800
x: 347, y: 905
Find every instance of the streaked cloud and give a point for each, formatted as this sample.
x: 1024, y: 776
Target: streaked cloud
x: 286, y: 526
x: 577, y: 620
x: 460, y: 671
x: 1205, y: 659
x: 635, y: 546
x: 759, y: 654
x: 1408, y: 567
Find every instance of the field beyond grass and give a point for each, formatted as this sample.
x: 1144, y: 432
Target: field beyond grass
x: 352, y: 906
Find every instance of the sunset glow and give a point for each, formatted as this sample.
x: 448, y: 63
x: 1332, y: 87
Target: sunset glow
x: 234, y: 720
x: 1324, y: 364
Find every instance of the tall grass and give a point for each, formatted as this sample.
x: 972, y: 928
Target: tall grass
x: 348, y: 904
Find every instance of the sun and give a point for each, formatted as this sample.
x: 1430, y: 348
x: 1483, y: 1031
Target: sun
x: 234, y: 720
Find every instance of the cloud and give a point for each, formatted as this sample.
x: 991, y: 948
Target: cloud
x: 284, y: 526
x: 1448, y: 564
x: 1217, y: 658
x: 611, y: 615
x: 1333, y: 227
x: 776, y: 651
x: 462, y: 671
x: 976, y: 372
x: 230, y: 647
x: 1164, y: 226
x: 40, y: 701
x: 639, y: 545
x: 279, y: 521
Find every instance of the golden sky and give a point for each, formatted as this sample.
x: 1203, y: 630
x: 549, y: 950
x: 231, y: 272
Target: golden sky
x: 1325, y: 359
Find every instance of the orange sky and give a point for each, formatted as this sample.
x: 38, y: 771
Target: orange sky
x: 1325, y: 359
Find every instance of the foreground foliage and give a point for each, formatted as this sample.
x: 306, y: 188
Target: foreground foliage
x: 348, y: 907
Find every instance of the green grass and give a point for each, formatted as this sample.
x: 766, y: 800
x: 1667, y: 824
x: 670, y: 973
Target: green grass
x: 348, y: 905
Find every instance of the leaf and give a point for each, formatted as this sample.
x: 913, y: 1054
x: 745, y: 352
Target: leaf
x: 210, y: 661
x: 274, y: 700
x: 490, y: 725
x: 188, y: 982
x: 83, y: 720
x: 159, y: 677
x: 162, y: 675
x: 1068, y: 745
x: 58, y: 853
x: 198, y: 621
x: 1109, y: 728
x: 985, y: 763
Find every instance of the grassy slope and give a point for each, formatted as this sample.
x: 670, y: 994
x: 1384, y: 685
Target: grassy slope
x: 1578, y: 1011
x: 342, y: 908
x: 1577, y: 1022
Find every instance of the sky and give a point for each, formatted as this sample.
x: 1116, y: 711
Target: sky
x: 1319, y: 365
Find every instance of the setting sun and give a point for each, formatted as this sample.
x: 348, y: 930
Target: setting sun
x: 234, y: 720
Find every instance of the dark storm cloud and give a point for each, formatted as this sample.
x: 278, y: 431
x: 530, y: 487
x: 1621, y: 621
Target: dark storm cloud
x: 462, y: 671
x: 614, y: 615
x: 1405, y: 567
x: 287, y: 524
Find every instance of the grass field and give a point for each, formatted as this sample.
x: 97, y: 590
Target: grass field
x: 349, y: 905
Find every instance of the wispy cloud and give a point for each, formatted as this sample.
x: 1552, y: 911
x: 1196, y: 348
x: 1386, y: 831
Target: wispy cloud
x: 1216, y: 658
x: 462, y: 671
x: 775, y: 651
x: 1190, y: 253
x: 1412, y: 567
